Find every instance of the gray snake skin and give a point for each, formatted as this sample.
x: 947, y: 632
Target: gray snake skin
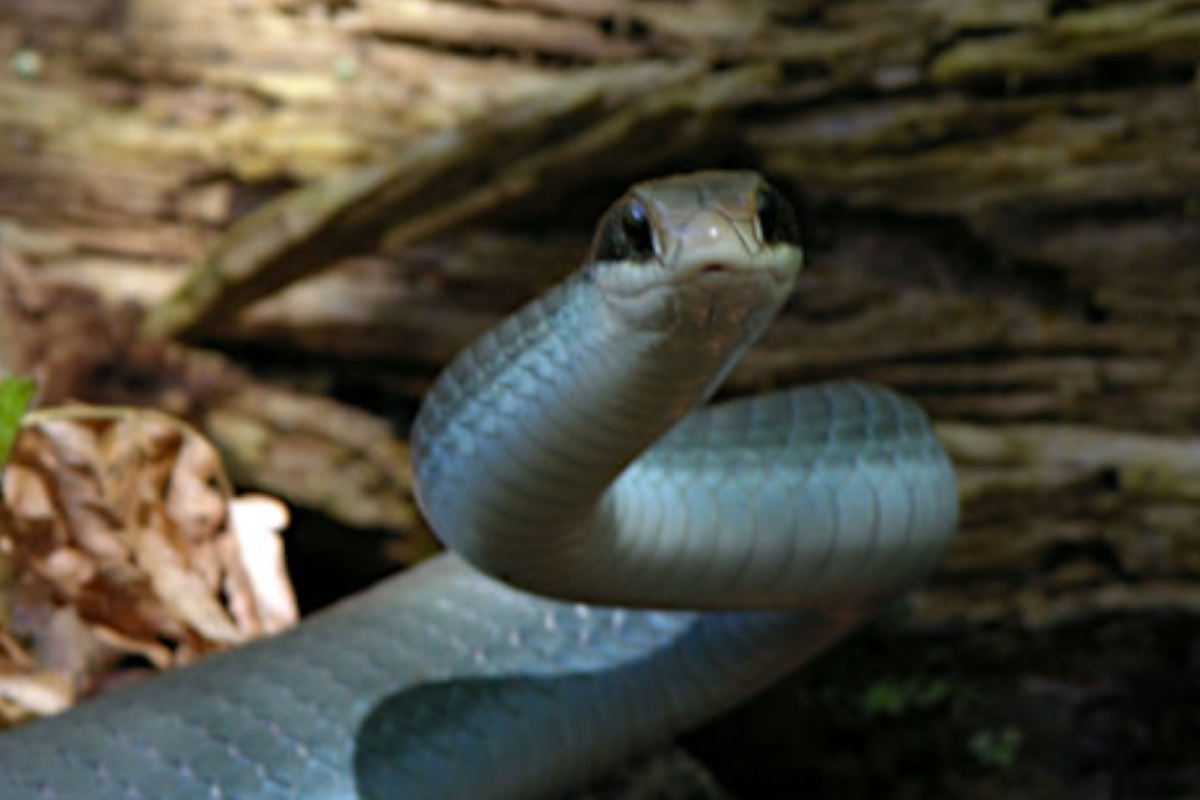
x: 696, y: 553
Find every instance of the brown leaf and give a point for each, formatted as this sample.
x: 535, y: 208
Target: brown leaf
x: 122, y: 538
x: 36, y: 691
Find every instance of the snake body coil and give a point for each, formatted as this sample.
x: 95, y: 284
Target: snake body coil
x: 562, y: 453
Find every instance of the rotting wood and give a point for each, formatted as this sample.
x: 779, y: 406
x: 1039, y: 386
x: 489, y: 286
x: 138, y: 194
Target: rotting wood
x: 446, y: 180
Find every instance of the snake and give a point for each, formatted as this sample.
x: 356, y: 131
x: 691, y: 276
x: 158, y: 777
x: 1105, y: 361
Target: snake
x: 625, y: 559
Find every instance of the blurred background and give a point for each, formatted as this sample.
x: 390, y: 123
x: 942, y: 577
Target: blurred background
x: 277, y: 220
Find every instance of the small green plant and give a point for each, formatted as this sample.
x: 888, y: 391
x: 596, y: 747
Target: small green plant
x: 892, y: 698
x: 15, y: 395
x: 996, y: 749
x: 884, y: 699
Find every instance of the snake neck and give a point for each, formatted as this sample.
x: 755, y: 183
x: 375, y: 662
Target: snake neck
x: 542, y: 455
x: 523, y: 433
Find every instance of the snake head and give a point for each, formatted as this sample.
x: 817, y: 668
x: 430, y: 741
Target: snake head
x: 708, y: 251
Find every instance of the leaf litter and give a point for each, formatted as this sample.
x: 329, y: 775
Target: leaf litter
x: 123, y: 550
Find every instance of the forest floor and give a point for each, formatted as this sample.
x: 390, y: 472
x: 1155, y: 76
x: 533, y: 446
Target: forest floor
x: 1106, y: 709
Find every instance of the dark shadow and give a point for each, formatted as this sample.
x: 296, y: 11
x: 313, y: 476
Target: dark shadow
x: 431, y: 740
x: 442, y: 729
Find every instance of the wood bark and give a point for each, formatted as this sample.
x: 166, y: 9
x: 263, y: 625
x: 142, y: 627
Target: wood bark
x: 1001, y: 203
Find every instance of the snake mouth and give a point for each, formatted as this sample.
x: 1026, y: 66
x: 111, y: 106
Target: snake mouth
x: 727, y: 269
x: 723, y: 271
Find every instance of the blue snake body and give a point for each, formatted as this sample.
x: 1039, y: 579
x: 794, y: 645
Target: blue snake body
x: 788, y: 517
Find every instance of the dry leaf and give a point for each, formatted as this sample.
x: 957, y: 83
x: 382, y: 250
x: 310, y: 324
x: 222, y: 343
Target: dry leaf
x: 34, y: 692
x: 121, y: 537
x: 258, y: 521
x: 25, y: 689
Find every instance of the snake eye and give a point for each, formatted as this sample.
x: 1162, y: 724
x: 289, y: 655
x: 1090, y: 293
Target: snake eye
x: 625, y: 234
x: 776, y: 218
x: 637, y: 229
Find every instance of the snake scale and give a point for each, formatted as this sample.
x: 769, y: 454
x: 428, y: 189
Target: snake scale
x: 695, y: 552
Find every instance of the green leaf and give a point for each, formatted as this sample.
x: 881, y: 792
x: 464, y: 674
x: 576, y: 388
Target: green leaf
x: 891, y: 699
x: 996, y: 748
x: 885, y: 699
x: 15, y: 395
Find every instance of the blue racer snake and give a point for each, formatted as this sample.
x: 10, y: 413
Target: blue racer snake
x: 695, y: 552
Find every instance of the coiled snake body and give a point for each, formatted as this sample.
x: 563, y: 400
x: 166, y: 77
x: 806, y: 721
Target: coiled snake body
x: 562, y: 454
